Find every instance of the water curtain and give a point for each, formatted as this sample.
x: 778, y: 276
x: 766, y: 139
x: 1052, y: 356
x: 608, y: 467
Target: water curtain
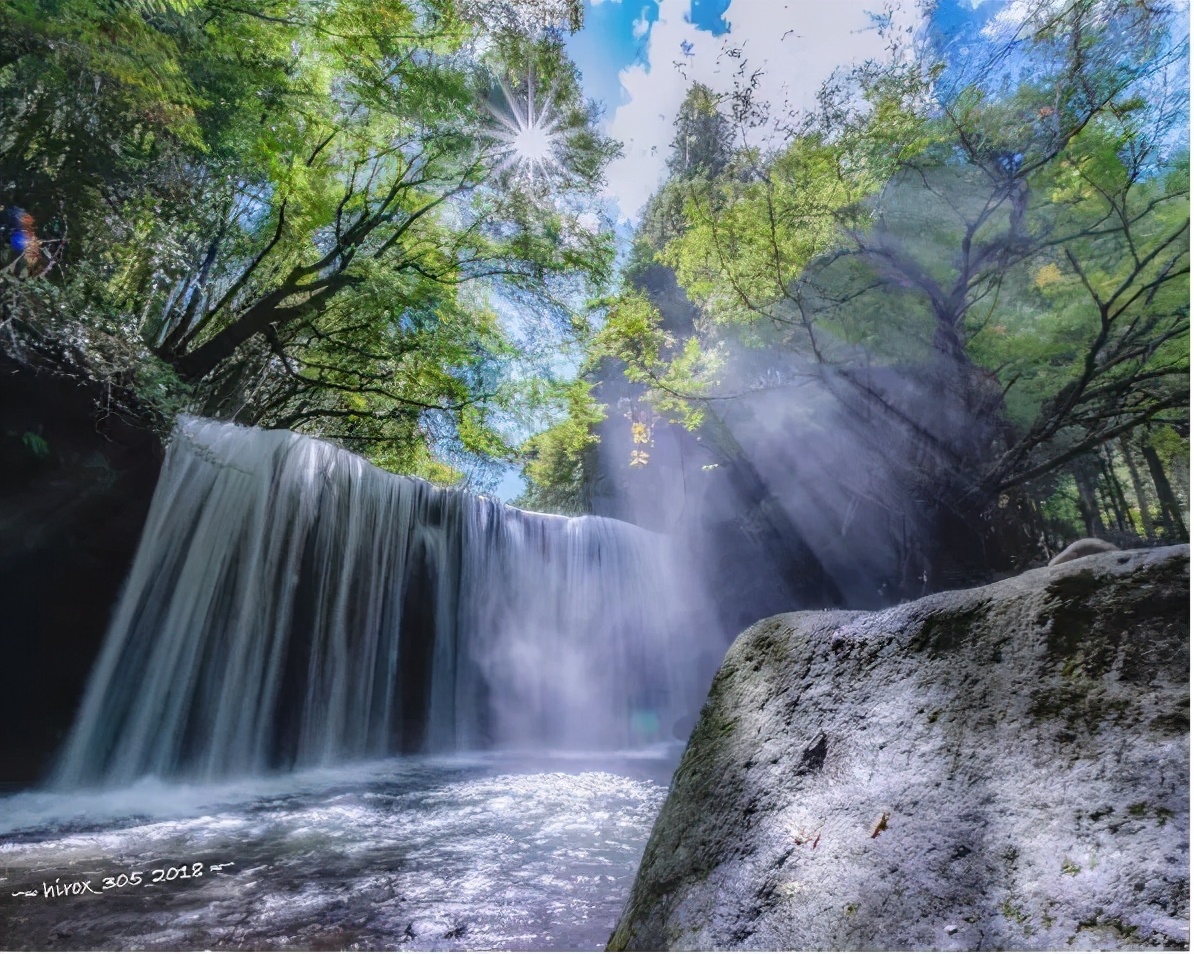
x: 290, y: 604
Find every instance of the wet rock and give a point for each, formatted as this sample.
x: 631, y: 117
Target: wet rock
x: 75, y: 484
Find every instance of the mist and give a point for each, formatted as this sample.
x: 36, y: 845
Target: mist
x: 293, y: 606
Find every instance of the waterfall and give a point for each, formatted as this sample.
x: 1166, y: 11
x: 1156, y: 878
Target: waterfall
x: 290, y: 604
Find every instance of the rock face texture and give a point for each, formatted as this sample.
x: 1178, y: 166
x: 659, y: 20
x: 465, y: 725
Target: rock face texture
x: 998, y: 768
x: 1080, y: 548
x: 75, y: 486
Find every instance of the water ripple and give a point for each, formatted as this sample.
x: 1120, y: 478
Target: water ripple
x: 415, y: 854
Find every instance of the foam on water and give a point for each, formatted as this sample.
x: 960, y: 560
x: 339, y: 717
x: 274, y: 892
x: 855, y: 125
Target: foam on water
x: 428, y: 853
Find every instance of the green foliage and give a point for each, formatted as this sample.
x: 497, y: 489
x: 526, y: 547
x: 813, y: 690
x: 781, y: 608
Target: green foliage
x: 416, y: 460
x: 36, y: 445
x: 1021, y: 235
x: 1170, y: 445
x: 297, y: 213
x: 558, y: 458
x: 676, y: 374
x: 1060, y: 509
x: 159, y: 388
x: 737, y: 259
x: 703, y: 142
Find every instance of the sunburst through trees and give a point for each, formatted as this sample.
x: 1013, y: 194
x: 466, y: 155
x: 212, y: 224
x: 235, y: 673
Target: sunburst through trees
x: 529, y: 134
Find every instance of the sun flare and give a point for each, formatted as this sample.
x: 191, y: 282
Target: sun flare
x: 529, y: 133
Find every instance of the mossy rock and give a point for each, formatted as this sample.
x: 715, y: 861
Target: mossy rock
x: 1005, y: 767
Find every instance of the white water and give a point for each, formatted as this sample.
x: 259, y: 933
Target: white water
x: 491, y: 852
x: 291, y: 605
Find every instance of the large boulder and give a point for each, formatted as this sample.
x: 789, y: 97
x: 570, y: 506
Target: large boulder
x: 1003, y: 767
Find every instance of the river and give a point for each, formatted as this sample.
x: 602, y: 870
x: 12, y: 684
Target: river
x: 465, y: 852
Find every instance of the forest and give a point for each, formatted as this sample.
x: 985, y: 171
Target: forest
x: 565, y: 474
x: 299, y: 214
x: 380, y: 223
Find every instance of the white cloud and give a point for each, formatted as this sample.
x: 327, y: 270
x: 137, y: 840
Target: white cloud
x: 640, y: 27
x: 1017, y: 13
x: 1008, y: 20
x: 796, y: 43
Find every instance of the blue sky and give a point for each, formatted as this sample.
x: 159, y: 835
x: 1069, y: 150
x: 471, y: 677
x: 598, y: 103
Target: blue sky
x: 638, y: 57
x: 616, y: 34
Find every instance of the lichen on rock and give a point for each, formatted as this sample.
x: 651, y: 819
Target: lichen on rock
x: 1004, y: 767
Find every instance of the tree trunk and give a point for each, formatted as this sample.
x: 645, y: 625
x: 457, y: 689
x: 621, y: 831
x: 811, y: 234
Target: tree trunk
x: 1171, y: 511
x: 1088, y: 502
x: 1118, y: 504
x: 198, y: 364
x: 1115, y: 520
x: 1146, y: 518
x: 203, y: 360
x: 1118, y: 487
x: 1040, y: 526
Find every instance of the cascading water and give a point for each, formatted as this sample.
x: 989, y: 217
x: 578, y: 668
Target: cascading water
x: 292, y: 605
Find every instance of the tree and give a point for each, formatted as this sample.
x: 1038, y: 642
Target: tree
x: 309, y: 209
x: 893, y: 355
x: 703, y: 142
x: 558, y: 458
x: 1011, y: 231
